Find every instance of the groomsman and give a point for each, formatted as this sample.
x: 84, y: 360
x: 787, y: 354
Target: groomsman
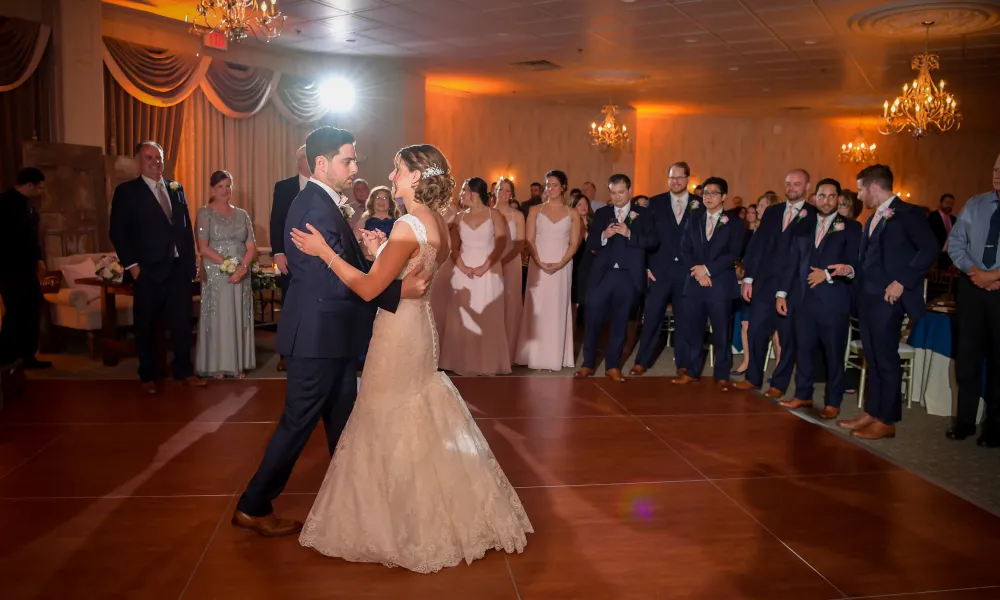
x: 897, y: 250
x: 285, y: 192
x: 763, y: 264
x: 819, y: 304
x: 666, y: 273
x: 973, y: 247
x: 620, y: 235
x: 711, y: 244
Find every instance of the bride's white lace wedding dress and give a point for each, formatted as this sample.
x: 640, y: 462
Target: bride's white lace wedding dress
x: 413, y: 483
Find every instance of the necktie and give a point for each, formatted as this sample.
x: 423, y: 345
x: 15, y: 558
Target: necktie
x: 161, y: 196
x: 710, y: 227
x: 875, y: 221
x: 821, y: 231
x: 990, y: 251
x: 620, y: 215
x: 789, y: 211
x: 678, y: 210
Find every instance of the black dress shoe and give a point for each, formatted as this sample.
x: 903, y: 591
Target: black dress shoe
x: 960, y: 431
x: 989, y: 439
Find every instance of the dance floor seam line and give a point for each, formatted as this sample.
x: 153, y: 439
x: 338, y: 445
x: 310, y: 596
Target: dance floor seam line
x: 33, y: 455
x: 208, y: 544
x: 730, y: 498
x: 916, y: 595
x: 510, y: 572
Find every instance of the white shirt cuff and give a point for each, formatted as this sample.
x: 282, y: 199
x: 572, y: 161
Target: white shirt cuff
x: 131, y: 265
x: 278, y: 254
x: 748, y: 280
x: 829, y: 278
x: 851, y: 274
x: 707, y: 272
x: 604, y: 240
x: 781, y: 295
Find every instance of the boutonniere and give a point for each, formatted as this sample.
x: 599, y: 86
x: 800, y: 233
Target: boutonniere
x: 838, y: 226
x: 174, y: 186
x: 802, y: 214
x: 888, y: 214
x: 694, y: 205
x: 632, y: 216
x: 723, y: 219
x: 347, y: 211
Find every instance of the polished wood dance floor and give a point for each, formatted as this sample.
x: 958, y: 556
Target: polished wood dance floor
x: 639, y: 490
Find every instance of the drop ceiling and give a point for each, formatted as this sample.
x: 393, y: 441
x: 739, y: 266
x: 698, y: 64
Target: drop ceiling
x: 827, y: 56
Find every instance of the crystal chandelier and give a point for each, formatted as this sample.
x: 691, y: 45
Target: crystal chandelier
x: 922, y: 103
x: 858, y: 152
x: 238, y: 19
x: 609, y: 134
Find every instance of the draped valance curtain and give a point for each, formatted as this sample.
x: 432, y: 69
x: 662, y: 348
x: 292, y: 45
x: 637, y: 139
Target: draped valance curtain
x: 166, y: 78
x: 25, y: 91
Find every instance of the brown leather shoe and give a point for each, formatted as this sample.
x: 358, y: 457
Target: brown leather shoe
x: 281, y: 364
x: 795, y: 403
x: 774, y: 393
x: 583, y: 373
x: 150, y: 388
x: 681, y: 372
x: 876, y: 430
x: 745, y: 386
x: 193, y: 381
x: 859, y: 422
x: 637, y: 370
x: 683, y: 379
x: 723, y: 386
x: 615, y: 375
x: 829, y: 412
x: 269, y: 526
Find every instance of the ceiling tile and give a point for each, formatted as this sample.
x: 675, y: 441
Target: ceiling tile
x: 711, y: 8
x: 309, y: 10
x: 349, y: 6
x: 349, y: 23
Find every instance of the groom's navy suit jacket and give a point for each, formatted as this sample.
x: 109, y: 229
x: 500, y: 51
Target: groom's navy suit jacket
x: 322, y: 317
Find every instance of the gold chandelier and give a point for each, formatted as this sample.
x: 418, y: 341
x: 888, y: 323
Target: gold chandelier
x: 858, y: 152
x: 238, y: 19
x: 609, y: 134
x: 922, y: 103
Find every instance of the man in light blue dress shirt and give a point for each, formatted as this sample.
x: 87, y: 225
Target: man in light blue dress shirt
x: 972, y: 246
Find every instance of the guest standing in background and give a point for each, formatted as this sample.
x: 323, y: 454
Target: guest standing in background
x: 19, y: 284
x: 710, y: 245
x: 665, y: 274
x: 152, y: 234
x: 225, y: 329
x: 534, y: 200
x: 972, y: 245
x: 590, y: 190
x: 620, y: 237
x: 552, y: 234
x: 475, y: 341
x: 441, y: 296
x: 380, y: 212
x: 357, y: 200
x: 284, y: 193
x: 582, y: 260
x: 897, y: 250
x: 512, y: 292
x: 941, y: 222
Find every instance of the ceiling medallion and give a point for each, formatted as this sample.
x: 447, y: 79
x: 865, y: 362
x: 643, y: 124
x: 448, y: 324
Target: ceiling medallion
x: 238, y: 19
x: 906, y: 19
x: 609, y: 134
x: 858, y: 151
x: 922, y: 103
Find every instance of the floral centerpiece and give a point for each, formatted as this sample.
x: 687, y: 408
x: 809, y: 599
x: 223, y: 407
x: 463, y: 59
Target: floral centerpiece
x: 260, y: 279
x: 109, y: 268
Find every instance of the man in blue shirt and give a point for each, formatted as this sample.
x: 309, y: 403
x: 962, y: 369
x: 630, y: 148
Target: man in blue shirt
x: 972, y: 246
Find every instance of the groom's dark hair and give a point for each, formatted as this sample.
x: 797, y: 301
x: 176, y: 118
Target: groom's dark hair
x: 326, y: 141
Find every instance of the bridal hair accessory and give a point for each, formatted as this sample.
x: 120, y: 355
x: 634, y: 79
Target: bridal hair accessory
x: 432, y: 171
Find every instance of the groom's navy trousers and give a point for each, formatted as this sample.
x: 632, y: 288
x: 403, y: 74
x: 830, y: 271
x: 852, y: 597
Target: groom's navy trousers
x: 324, y: 327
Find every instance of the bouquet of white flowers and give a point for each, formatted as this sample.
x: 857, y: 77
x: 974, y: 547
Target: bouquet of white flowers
x: 109, y: 268
x: 229, y: 265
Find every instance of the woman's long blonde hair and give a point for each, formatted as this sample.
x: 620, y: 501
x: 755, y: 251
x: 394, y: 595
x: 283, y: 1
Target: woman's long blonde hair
x: 370, y: 203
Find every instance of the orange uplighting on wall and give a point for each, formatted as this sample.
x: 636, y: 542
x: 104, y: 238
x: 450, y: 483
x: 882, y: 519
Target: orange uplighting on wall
x: 472, y: 85
x: 663, y: 109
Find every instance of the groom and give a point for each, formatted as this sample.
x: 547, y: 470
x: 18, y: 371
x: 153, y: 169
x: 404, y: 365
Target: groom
x: 323, y: 329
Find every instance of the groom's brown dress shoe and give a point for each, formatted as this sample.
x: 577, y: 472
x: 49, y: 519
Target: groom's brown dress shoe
x: 859, y: 422
x: 829, y: 412
x: 876, y: 430
x: 795, y: 403
x: 269, y: 526
x: 637, y: 370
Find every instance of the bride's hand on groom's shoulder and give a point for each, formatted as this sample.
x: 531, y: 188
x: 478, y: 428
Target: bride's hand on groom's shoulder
x: 310, y: 242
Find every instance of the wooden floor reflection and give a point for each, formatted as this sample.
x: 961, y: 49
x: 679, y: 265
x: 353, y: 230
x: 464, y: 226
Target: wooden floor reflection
x: 640, y: 490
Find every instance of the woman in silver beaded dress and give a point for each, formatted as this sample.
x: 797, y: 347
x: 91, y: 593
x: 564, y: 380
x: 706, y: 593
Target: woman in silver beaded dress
x: 225, y: 329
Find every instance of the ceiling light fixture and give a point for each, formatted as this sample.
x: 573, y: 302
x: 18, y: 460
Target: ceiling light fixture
x: 238, y: 19
x: 858, y: 151
x: 922, y: 103
x: 609, y: 134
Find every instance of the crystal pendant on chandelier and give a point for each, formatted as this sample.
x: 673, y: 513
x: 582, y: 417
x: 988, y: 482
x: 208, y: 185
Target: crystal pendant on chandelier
x: 238, y: 19
x: 609, y: 135
x: 858, y: 152
x: 922, y: 103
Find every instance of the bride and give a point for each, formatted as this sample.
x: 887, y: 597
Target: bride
x: 413, y: 482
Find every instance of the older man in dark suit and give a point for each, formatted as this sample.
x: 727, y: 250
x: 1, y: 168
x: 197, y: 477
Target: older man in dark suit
x: 153, y: 236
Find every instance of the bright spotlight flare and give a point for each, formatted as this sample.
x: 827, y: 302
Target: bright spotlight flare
x: 337, y: 95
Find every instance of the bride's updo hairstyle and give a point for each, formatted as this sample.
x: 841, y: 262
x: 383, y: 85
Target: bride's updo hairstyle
x: 436, y: 184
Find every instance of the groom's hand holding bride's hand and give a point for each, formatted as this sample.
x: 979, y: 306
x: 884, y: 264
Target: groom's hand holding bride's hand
x: 415, y: 284
x: 372, y: 240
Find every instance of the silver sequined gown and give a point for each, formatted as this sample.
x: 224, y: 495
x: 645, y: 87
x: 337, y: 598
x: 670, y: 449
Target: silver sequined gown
x: 225, y: 329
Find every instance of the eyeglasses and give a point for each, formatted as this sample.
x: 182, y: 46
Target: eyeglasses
x: 707, y: 194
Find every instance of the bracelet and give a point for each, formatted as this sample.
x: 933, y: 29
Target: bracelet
x: 329, y: 265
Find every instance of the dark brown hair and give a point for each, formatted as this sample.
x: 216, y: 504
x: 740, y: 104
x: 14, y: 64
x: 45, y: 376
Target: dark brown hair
x: 433, y: 191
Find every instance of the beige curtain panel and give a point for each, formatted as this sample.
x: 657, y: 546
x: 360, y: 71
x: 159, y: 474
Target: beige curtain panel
x: 22, y: 45
x: 165, y: 78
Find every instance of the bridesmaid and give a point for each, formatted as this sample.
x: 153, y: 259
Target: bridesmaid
x: 512, y: 272
x: 441, y: 291
x: 553, y: 233
x: 225, y: 329
x: 380, y: 212
x: 475, y: 342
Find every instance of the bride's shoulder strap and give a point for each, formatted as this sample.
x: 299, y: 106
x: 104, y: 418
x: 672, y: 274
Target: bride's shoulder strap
x: 418, y: 227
